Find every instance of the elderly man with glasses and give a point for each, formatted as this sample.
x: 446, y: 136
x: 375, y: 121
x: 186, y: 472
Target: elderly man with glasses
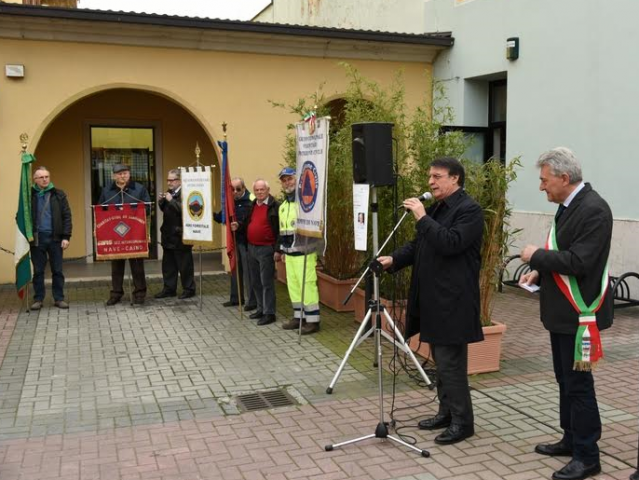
x: 177, y: 256
x: 51, y: 219
x: 242, y: 293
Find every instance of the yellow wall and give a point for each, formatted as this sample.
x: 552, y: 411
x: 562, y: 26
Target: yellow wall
x: 60, y: 91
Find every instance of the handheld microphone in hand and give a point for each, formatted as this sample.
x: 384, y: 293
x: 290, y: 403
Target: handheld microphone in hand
x: 422, y: 198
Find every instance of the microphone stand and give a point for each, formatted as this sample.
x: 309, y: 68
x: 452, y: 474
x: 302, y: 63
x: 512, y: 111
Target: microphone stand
x: 375, y: 308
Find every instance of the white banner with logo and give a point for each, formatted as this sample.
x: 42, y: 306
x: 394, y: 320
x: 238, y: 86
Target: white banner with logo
x: 197, y: 206
x: 312, y: 173
x: 361, y: 193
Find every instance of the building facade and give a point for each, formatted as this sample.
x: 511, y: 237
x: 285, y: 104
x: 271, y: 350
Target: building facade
x: 101, y: 87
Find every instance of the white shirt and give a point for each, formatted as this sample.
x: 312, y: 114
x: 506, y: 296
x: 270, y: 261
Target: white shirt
x: 574, y: 193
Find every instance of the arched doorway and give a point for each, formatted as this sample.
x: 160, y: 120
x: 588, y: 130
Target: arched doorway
x: 145, y: 130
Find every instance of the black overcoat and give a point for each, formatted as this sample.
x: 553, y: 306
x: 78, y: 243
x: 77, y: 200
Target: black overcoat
x: 443, y: 304
x: 584, y: 232
x: 171, y: 229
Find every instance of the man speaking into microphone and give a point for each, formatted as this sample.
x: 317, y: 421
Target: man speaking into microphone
x: 443, y: 305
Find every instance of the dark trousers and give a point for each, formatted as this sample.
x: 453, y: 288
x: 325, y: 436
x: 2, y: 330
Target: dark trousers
x: 47, y: 248
x: 176, y: 261
x: 452, y: 383
x: 244, y: 272
x: 137, y: 272
x: 578, y: 410
x: 262, y: 265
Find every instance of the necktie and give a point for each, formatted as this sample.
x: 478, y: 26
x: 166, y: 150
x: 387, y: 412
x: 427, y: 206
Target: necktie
x: 560, y: 210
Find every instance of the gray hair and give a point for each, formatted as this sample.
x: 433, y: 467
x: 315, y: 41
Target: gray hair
x: 261, y: 180
x: 562, y: 160
x: 239, y: 179
x: 176, y: 172
x: 41, y: 167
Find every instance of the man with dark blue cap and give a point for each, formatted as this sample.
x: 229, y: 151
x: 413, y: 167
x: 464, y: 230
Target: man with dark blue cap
x: 292, y: 254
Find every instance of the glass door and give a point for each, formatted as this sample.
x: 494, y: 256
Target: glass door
x: 132, y: 146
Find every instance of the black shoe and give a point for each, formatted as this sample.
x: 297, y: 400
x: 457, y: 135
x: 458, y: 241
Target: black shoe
x: 138, y: 301
x: 577, y: 470
x: 113, y: 301
x: 455, y: 433
x: 249, y: 308
x: 256, y: 315
x: 559, y: 449
x: 230, y: 303
x: 164, y: 294
x: 266, y: 319
x: 186, y: 295
x: 434, y: 423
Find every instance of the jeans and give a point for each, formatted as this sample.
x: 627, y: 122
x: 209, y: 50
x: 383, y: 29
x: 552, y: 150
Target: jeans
x: 262, y: 265
x: 47, y: 247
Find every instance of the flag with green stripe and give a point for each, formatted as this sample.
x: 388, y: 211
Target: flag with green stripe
x: 24, y: 227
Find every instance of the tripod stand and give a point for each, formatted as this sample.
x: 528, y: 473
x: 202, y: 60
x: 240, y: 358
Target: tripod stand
x: 375, y: 307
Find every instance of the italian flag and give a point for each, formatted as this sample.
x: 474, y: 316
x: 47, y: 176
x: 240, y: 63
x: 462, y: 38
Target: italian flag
x: 24, y: 228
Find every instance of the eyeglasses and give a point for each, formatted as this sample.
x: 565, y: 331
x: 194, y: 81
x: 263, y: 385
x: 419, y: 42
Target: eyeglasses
x: 238, y: 189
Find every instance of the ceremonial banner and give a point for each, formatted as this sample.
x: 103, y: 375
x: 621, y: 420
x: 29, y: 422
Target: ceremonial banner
x: 228, y: 205
x: 120, y: 231
x: 24, y: 230
x: 312, y: 171
x: 197, y: 206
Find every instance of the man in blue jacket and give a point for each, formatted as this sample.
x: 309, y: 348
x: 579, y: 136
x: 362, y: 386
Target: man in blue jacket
x: 51, y: 220
x: 124, y: 190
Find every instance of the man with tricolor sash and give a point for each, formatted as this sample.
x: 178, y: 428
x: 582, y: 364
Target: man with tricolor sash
x: 572, y: 271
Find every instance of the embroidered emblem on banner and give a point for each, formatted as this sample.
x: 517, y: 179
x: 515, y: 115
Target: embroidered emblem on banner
x: 196, y: 205
x: 122, y: 229
x: 308, y: 186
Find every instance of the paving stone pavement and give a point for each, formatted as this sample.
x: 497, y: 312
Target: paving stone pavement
x: 132, y: 393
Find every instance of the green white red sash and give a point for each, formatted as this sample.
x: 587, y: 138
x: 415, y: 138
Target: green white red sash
x: 588, y: 349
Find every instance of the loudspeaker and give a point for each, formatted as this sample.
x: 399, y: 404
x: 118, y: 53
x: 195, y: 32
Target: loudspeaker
x: 373, y: 153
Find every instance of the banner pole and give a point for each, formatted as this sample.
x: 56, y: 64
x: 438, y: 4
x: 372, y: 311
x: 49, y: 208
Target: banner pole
x: 129, y: 277
x: 26, y: 298
x: 200, y: 277
x: 240, y: 286
x: 303, y: 313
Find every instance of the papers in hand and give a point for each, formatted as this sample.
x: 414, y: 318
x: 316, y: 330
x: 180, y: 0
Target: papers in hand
x: 531, y: 288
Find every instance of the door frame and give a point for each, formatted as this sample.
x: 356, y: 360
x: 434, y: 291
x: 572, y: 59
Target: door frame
x: 156, y: 125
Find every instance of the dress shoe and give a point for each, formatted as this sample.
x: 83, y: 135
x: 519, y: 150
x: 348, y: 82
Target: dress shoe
x: 256, y: 315
x: 164, y: 294
x: 37, y: 305
x: 292, y: 324
x: 230, y: 303
x: 113, y: 301
x: 455, y: 433
x: 577, y: 470
x: 249, y: 308
x: 434, y: 423
x: 559, y: 449
x: 309, y: 328
x: 186, y: 295
x: 266, y: 319
x: 61, y: 304
x: 138, y: 301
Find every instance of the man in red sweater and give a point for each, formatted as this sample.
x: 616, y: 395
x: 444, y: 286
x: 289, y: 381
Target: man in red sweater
x: 262, y: 231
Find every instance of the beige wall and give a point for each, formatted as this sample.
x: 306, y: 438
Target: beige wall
x: 211, y: 86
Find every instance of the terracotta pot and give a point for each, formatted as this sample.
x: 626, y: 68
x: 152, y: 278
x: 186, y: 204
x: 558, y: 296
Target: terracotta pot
x: 332, y: 292
x: 280, y: 270
x: 483, y: 357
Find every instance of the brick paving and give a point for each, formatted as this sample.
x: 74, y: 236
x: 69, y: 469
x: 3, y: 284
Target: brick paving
x: 132, y: 393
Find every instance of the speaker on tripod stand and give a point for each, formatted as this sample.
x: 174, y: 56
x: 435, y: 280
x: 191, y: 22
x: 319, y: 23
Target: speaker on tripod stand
x: 373, y: 154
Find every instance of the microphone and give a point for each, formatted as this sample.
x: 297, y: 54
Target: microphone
x: 423, y: 197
